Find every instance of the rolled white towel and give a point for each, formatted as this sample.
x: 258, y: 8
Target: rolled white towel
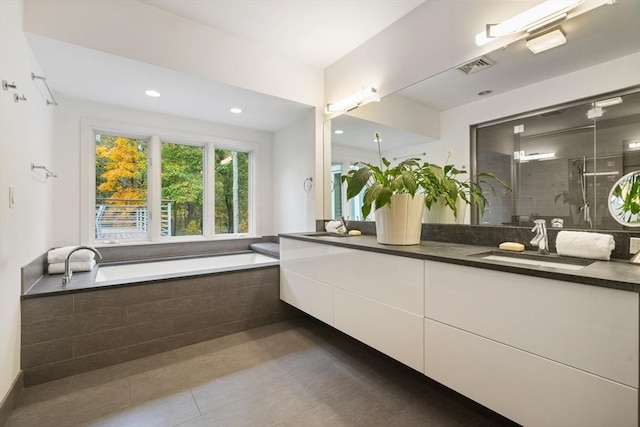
x: 333, y: 226
x: 585, y: 245
x: 58, y: 267
x: 61, y: 254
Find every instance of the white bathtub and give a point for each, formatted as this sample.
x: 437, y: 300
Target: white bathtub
x: 182, y: 267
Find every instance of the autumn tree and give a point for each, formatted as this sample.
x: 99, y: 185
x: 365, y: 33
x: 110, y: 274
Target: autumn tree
x: 121, y: 169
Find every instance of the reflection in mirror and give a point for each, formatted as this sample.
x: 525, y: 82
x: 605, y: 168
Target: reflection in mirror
x: 353, y: 140
x: 562, y: 161
x: 624, y: 200
x: 604, y: 34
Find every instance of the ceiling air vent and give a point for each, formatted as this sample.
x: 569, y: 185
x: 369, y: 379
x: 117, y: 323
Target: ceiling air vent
x: 476, y: 65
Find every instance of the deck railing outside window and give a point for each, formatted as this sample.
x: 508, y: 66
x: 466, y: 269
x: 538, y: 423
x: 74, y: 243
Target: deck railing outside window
x: 118, y: 219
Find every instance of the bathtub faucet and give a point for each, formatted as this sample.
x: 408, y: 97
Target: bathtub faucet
x: 66, y: 278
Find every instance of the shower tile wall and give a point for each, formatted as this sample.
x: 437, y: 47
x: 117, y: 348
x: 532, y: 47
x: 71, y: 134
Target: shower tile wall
x: 67, y: 334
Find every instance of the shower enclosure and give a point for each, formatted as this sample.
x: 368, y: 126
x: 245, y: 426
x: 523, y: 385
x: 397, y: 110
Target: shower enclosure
x: 561, y: 162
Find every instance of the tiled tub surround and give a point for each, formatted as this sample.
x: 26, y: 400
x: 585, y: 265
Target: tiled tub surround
x: 72, y: 332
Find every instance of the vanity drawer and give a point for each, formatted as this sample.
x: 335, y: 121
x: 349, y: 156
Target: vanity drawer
x: 591, y: 328
x: 394, y: 332
x: 523, y: 387
x: 312, y: 297
x: 311, y: 260
x: 393, y: 280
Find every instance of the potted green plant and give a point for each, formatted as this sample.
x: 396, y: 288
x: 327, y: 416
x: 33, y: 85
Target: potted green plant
x: 396, y: 194
x: 446, y: 195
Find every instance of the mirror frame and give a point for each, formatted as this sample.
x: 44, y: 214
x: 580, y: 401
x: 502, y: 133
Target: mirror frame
x: 616, y: 203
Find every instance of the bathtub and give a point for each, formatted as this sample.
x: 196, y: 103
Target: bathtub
x: 182, y: 267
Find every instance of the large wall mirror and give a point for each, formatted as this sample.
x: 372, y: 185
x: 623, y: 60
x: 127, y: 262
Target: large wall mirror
x: 593, y: 144
x: 561, y: 162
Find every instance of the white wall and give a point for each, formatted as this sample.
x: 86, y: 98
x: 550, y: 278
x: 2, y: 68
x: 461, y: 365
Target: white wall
x: 144, y: 33
x: 66, y: 157
x: 293, y: 162
x: 25, y: 138
x: 454, y: 126
x: 435, y: 36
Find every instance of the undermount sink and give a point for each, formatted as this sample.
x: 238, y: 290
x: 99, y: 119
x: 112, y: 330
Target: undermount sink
x: 535, y: 260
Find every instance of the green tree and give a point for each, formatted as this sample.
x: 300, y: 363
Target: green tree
x: 182, y: 183
x: 224, y: 215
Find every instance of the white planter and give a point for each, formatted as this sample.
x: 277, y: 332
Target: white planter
x: 440, y: 213
x: 400, y: 223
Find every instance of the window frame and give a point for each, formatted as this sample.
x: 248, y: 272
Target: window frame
x: 155, y: 137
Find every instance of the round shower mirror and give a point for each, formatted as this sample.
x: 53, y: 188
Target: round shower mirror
x: 624, y: 200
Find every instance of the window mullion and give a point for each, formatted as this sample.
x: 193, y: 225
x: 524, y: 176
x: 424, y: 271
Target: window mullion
x: 209, y: 191
x: 154, y: 198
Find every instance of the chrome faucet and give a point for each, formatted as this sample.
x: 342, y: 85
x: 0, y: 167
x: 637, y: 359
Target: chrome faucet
x: 540, y: 240
x: 66, y: 278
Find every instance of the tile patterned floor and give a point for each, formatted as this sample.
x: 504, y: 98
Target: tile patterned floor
x: 297, y: 373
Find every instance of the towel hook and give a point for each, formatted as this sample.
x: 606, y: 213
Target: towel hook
x: 308, y: 184
x: 48, y: 173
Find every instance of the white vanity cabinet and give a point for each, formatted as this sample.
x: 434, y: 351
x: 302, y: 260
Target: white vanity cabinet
x: 375, y: 298
x: 539, y: 351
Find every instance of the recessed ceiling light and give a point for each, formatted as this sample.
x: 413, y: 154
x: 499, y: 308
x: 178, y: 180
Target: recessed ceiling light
x: 152, y: 93
x: 485, y: 92
x: 235, y: 110
x: 338, y: 132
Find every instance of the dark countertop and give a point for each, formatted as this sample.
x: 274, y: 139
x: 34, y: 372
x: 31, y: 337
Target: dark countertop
x: 616, y: 274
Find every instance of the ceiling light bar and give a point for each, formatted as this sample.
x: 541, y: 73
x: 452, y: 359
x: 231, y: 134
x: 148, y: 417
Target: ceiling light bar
x: 609, y: 102
x: 541, y: 14
x: 607, y: 173
x: 547, y: 40
x: 522, y: 157
x: 353, y: 101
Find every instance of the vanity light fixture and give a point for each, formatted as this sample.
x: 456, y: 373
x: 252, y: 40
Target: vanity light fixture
x: 546, y: 40
x: 353, y: 101
x: 338, y: 131
x: 235, y: 110
x: 609, y: 102
x: 634, y: 145
x: 543, y: 14
x: 152, y: 93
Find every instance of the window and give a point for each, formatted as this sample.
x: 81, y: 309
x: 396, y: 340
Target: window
x: 182, y: 200
x: 232, y: 192
x: 146, y: 187
x: 121, y: 188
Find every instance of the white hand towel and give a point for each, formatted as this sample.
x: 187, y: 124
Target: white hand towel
x: 58, y: 267
x: 61, y: 254
x: 583, y: 244
x: 333, y: 226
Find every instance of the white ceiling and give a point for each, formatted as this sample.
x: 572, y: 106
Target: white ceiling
x: 313, y: 31
x: 316, y: 32
x: 83, y: 73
